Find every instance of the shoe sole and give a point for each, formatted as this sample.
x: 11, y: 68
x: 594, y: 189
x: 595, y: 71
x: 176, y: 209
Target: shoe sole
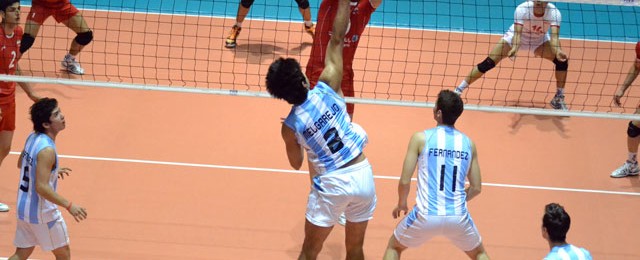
x: 622, y: 176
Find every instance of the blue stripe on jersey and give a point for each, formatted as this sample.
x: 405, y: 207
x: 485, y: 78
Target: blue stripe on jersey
x: 431, y: 179
x: 449, y: 194
x: 411, y: 217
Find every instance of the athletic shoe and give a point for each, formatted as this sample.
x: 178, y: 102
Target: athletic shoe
x: 627, y: 169
x: 71, y: 65
x: 311, y: 30
x: 342, y: 220
x: 233, y: 35
x: 4, y: 207
x: 558, y: 103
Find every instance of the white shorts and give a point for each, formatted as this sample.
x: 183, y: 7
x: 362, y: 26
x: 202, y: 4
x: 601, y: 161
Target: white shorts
x: 350, y: 190
x: 416, y: 229
x: 529, y: 44
x: 49, y: 236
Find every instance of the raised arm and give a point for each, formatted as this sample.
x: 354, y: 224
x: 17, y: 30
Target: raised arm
x: 416, y: 144
x: 332, y: 73
x: 475, y: 180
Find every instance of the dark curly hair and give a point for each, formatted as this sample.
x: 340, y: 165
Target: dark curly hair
x: 41, y: 113
x: 557, y: 222
x: 285, y: 81
x: 451, y: 106
x: 6, y: 3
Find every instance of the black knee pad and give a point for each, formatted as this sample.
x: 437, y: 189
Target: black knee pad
x: 486, y: 65
x: 561, y: 65
x: 633, y: 130
x: 246, y: 3
x: 303, y: 4
x: 84, y: 38
x: 26, y: 42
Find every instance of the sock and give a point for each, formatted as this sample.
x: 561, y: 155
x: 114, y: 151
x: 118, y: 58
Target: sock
x: 239, y: 24
x: 462, y: 86
x: 69, y: 56
x: 308, y: 23
x: 560, y: 92
x: 632, y: 158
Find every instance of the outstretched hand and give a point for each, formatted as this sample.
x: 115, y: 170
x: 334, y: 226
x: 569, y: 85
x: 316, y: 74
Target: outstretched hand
x: 79, y: 213
x: 63, y: 171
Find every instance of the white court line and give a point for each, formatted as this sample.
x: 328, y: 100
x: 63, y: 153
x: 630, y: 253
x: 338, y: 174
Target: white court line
x: 229, y: 167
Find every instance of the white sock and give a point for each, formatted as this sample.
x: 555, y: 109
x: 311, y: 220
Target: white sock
x: 239, y: 24
x: 632, y: 157
x: 308, y: 23
x: 462, y: 86
x: 560, y: 92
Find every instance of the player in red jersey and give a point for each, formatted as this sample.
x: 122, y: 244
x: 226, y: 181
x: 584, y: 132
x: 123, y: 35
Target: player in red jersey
x: 63, y: 12
x: 361, y: 11
x: 630, y: 167
x: 10, y: 35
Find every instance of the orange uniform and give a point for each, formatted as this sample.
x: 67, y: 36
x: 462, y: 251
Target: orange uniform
x: 359, y: 18
x: 61, y: 10
x: 9, y: 56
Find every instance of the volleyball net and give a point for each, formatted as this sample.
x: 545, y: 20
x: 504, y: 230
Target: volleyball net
x: 410, y: 51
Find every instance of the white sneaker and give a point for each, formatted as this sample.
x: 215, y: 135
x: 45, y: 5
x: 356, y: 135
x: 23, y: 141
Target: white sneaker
x: 627, y: 169
x: 342, y: 220
x: 4, y: 207
x: 71, y: 65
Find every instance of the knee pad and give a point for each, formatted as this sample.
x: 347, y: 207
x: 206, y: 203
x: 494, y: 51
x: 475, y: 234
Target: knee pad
x: 303, y: 4
x: 84, y: 38
x: 486, y: 65
x: 246, y: 3
x: 561, y: 65
x: 26, y: 42
x: 633, y: 131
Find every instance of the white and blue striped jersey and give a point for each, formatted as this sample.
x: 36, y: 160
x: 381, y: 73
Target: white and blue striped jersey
x: 33, y: 208
x: 323, y: 127
x: 568, y: 252
x: 442, y: 169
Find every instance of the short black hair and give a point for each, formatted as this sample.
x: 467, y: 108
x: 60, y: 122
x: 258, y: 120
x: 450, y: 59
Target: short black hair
x: 451, y: 106
x: 557, y: 222
x: 285, y: 81
x: 41, y: 113
x: 6, y: 3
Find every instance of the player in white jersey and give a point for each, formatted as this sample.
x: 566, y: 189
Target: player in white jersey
x: 319, y: 124
x: 445, y: 158
x: 555, y: 225
x: 39, y: 220
x: 533, y: 20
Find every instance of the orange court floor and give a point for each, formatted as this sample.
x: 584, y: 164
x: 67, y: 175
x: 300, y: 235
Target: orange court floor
x: 167, y: 175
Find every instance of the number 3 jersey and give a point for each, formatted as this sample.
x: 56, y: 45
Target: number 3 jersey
x: 323, y: 127
x: 33, y: 208
x: 442, y: 170
x: 9, y: 56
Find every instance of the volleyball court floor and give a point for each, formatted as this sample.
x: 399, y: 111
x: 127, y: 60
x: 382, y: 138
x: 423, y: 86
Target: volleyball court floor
x: 172, y: 175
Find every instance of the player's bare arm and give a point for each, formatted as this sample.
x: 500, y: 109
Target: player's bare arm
x: 416, y: 144
x: 332, y: 73
x: 46, y: 161
x: 555, y: 44
x: 295, y: 153
x: 26, y: 86
x: 515, y: 43
x: 631, y: 76
x: 375, y: 3
x: 475, y: 179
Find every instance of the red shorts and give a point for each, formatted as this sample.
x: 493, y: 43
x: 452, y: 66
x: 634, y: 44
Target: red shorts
x: 8, y: 121
x: 39, y: 13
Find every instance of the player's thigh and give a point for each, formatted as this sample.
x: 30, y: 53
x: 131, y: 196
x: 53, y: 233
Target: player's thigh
x: 32, y: 28
x: 474, y: 253
x: 24, y: 253
x: 62, y: 252
x: 500, y: 50
x: 415, y: 229
x: 314, y: 235
x: 354, y: 233
x: 545, y: 51
x: 462, y: 232
x: 77, y: 23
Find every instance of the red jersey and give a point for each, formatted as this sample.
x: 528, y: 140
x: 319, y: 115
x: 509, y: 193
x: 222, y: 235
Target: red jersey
x: 9, y: 56
x: 638, y: 50
x: 50, y: 3
x: 360, y: 14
